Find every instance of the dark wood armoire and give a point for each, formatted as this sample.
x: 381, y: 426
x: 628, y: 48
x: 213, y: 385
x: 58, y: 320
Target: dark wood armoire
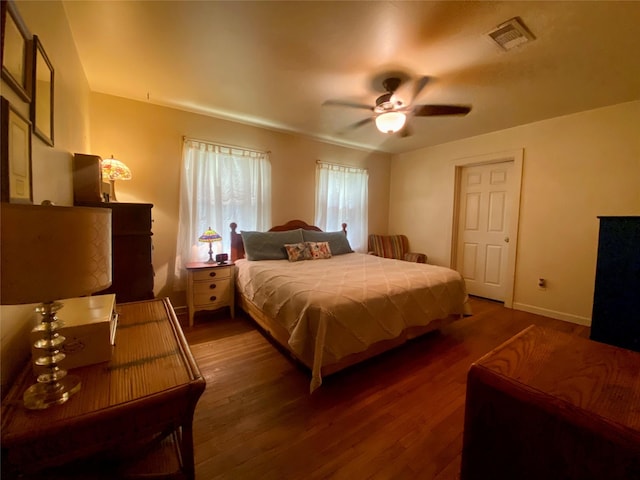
x: 616, y: 300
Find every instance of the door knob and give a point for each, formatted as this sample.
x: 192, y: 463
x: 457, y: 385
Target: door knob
x: 506, y: 239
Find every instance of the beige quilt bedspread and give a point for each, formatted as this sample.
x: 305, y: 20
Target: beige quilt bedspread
x: 342, y: 305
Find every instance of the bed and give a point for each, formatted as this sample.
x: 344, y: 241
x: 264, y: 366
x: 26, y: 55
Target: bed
x: 338, y: 307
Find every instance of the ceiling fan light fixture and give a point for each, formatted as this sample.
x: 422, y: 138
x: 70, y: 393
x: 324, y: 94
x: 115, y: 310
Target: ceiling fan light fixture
x: 390, y: 122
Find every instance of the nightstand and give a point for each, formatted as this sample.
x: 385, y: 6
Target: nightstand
x: 210, y: 286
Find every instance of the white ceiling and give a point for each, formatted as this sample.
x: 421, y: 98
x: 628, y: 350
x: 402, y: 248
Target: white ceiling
x: 273, y: 64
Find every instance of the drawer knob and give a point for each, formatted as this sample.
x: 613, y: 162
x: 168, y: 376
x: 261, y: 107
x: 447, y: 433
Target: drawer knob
x: 212, y: 298
x: 212, y: 286
x: 212, y: 274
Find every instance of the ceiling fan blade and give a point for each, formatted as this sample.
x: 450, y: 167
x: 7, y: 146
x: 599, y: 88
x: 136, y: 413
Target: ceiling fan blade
x: 342, y: 103
x: 418, y: 87
x: 436, y: 110
x: 358, y: 124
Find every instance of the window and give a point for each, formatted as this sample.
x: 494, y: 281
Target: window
x: 342, y: 197
x: 219, y: 185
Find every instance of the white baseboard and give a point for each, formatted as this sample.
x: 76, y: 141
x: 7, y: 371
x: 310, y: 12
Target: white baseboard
x: 567, y: 317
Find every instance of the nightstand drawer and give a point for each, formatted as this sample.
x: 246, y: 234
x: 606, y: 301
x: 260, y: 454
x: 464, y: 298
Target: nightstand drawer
x: 207, y: 293
x: 213, y: 273
x: 209, y: 287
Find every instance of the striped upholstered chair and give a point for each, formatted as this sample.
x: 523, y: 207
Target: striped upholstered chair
x: 394, y: 246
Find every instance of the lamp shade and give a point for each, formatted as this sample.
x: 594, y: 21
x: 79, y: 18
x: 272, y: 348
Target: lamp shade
x: 48, y: 252
x: 114, y: 169
x: 210, y: 236
x: 390, y: 122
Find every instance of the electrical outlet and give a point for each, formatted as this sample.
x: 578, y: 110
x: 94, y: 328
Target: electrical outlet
x: 542, y: 284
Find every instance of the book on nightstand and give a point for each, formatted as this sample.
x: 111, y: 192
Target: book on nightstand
x: 89, y: 326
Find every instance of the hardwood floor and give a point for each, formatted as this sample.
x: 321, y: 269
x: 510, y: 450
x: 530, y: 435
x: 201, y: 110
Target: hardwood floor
x: 399, y: 415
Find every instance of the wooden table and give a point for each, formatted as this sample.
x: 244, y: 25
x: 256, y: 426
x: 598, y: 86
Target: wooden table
x: 550, y: 405
x: 147, y: 391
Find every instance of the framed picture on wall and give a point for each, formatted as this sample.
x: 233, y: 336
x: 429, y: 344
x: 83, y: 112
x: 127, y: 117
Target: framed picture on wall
x: 15, y: 155
x: 15, y: 50
x: 42, y: 93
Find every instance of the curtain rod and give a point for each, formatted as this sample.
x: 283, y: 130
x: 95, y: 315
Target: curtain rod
x: 184, y: 137
x: 339, y: 165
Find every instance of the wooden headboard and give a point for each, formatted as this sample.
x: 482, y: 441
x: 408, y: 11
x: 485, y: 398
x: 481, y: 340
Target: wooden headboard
x: 237, y: 247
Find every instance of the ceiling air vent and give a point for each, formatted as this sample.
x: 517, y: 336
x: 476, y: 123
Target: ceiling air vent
x: 511, y: 34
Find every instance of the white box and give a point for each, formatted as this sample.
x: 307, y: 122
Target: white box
x: 89, y: 328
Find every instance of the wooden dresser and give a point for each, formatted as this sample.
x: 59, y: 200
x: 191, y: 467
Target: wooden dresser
x: 548, y: 405
x: 132, y: 248
x: 132, y: 414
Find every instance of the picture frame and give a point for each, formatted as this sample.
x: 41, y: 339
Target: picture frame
x: 15, y: 51
x: 42, y: 80
x: 15, y: 155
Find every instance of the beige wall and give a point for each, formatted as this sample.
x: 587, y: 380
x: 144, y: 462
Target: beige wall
x: 148, y: 138
x: 575, y: 168
x: 51, y: 166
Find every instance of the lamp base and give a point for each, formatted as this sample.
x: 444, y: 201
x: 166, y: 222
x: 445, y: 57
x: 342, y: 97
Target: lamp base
x: 211, y: 260
x: 44, y: 395
x: 54, y: 386
x: 112, y: 197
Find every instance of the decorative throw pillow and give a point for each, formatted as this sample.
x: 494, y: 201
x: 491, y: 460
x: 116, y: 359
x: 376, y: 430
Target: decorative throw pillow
x: 269, y: 245
x: 319, y: 250
x: 298, y: 251
x: 337, y: 240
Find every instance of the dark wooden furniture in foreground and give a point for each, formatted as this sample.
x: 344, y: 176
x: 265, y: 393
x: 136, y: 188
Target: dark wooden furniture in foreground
x: 131, y: 244
x: 550, y: 405
x: 145, y: 394
x: 616, y: 299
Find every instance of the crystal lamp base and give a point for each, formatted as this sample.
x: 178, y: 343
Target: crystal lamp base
x: 45, y: 395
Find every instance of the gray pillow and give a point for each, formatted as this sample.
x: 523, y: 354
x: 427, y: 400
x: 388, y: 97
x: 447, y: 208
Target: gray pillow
x: 269, y: 245
x: 338, y: 243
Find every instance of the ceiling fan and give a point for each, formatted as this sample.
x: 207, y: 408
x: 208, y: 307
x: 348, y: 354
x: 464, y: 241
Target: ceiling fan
x: 390, y: 112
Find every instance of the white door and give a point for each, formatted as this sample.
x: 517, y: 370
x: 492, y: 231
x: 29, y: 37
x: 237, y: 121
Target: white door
x: 483, y: 228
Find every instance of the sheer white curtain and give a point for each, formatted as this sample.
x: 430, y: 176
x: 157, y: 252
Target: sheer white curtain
x: 219, y: 185
x: 342, y: 197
